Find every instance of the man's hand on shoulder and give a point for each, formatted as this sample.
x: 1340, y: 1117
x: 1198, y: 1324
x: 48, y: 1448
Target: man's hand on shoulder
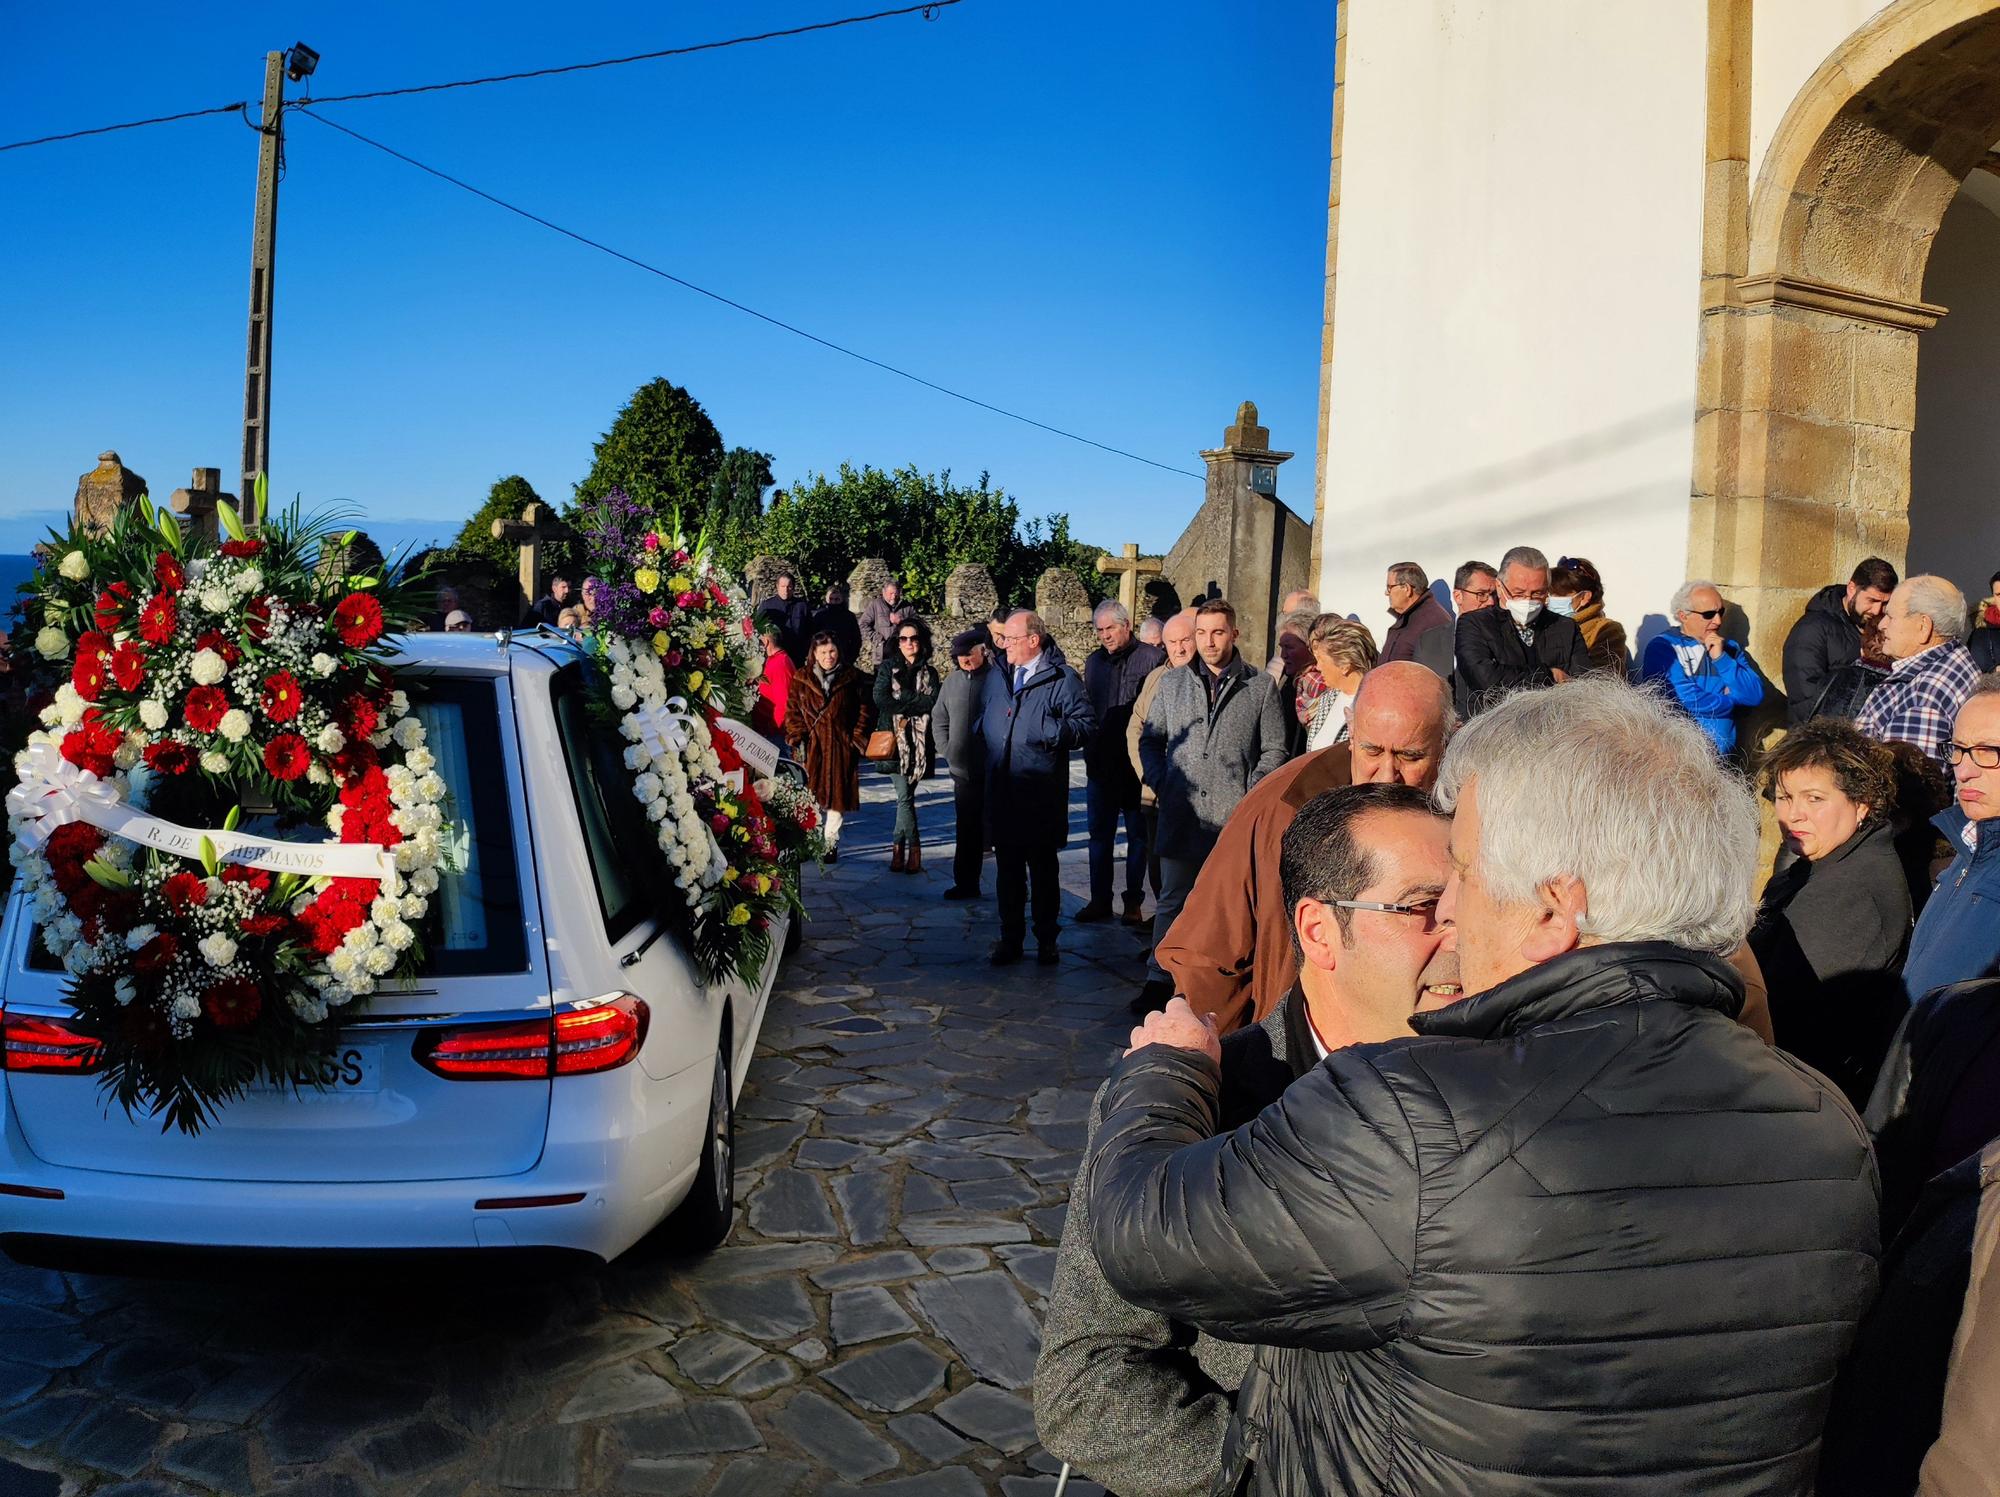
x: 1178, y: 1025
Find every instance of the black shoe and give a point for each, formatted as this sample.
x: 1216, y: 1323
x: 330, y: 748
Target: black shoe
x: 1152, y: 997
x: 954, y: 892
x: 1135, y: 913
x: 1092, y: 913
x: 832, y: 855
x: 1047, y: 955
x: 1005, y: 954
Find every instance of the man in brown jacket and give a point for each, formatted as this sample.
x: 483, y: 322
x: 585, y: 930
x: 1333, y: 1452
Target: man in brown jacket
x: 1229, y: 952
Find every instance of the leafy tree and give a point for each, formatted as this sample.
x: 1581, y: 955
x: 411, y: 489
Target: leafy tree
x: 922, y: 525
x: 662, y: 450
x: 736, y: 504
x: 504, y: 501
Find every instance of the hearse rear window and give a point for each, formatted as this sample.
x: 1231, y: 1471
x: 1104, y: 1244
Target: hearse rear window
x: 474, y: 927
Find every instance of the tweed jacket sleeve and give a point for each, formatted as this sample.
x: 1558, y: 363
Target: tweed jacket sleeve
x: 1297, y: 1229
x: 1274, y: 735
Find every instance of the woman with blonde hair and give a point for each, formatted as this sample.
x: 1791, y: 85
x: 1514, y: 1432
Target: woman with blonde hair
x: 1343, y: 652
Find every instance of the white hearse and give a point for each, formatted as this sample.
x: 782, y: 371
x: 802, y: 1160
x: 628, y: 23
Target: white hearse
x: 559, y: 1078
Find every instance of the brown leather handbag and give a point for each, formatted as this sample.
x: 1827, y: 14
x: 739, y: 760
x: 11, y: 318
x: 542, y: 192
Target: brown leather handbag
x: 881, y: 745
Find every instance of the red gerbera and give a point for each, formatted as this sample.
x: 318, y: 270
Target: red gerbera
x: 233, y: 1002
x: 357, y: 618
x: 282, y: 697
x: 112, y: 603
x: 241, y: 548
x: 152, y: 958
x: 169, y: 756
x: 287, y: 756
x: 91, y: 744
x: 158, y: 618
x: 87, y: 674
x: 259, y: 612
x: 128, y: 666
x: 183, y: 890
x: 205, y: 706
x: 167, y: 572
x: 263, y: 925
x: 228, y: 649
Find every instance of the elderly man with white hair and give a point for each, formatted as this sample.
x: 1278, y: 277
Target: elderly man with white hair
x: 1582, y: 1231
x: 1711, y: 677
x: 1112, y: 676
x: 1923, y: 632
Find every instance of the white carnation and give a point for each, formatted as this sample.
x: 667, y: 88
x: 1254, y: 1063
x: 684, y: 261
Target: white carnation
x: 397, y: 937
x: 316, y: 774
x: 380, y: 961
x: 408, y: 733
x: 249, y: 580
x: 235, y: 725
x: 139, y: 935
x: 624, y: 698
x: 207, y: 667
x: 385, y: 909
x: 323, y: 664
x: 75, y: 566
x: 218, y: 949
x: 214, y: 599
x: 70, y: 705
x: 52, y: 643
x: 399, y: 703
x: 214, y: 762
x: 153, y: 714
x: 431, y: 786
x: 420, y: 760
x: 341, y: 963
x: 424, y: 881
x: 187, y: 1006
x: 415, y: 906
x: 123, y: 990
x: 330, y: 740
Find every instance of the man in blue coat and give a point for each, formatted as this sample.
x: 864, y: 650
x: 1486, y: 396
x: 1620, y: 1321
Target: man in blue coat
x: 1036, y: 713
x: 1711, y: 677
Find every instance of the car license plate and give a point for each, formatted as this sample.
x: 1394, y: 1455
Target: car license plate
x: 344, y: 1071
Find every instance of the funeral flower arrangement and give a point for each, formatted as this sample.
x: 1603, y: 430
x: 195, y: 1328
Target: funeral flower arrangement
x: 200, y: 683
x: 680, y: 662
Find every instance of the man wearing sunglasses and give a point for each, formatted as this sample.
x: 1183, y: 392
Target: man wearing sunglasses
x: 1711, y: 677
x: 1129, y: 1397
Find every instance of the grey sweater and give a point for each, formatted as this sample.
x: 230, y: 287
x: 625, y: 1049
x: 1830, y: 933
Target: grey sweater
x: 1129, y: 1398
x: 1202, y: 757
x: 955, y: 724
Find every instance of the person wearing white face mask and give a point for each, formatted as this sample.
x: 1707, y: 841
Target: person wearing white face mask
x: 1520, y: 643
x: 1576, y: 592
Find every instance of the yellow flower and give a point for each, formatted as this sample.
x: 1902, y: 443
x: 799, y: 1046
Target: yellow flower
x: 729, y: 875
x: 662, y: 642
x: 761, y: 883
x: 694, y: 680
x: 740, y: 915
x: 680, y: 585
x: 647, y: 579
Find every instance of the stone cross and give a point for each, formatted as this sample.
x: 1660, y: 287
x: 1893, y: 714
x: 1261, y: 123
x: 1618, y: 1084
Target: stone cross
x: 1130, y: 570
x: 538, y: 523
x: 196, y: 503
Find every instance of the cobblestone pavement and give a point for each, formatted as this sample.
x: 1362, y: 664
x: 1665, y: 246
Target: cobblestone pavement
x: 905, y: 1143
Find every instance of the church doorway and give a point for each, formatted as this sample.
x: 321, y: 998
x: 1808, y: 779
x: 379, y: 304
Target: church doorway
x: 1809, y: 432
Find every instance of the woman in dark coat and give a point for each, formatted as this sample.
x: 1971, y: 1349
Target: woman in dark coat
x: 828, y: 718
x: 1834, y: 925
x: 906, y: 689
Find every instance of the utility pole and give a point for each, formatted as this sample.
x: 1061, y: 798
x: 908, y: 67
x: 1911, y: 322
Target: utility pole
x: 263, y: 256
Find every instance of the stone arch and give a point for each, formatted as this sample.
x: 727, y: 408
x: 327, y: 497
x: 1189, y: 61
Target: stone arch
x: 1809, y: 344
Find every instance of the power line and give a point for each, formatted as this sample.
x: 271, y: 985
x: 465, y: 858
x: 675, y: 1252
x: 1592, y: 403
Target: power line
x: 750, y: 311
x: 927, y: 10
x: 163, y: 119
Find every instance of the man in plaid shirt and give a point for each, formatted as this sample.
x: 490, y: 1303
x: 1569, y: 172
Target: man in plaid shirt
x: 1922, y: 630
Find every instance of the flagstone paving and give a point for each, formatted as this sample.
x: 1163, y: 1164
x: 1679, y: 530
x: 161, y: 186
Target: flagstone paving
x: 905, y: 1143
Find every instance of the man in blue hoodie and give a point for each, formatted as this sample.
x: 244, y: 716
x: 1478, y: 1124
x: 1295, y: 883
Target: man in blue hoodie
x: 1710, y: 676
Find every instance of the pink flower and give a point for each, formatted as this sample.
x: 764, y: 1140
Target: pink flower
x: 685, y: 600
x: 673, y: 657
x: 652, y: 542
x: 658, y: 618
x: 746, y: 629
x: 719, y: 822
x: 680, y: 557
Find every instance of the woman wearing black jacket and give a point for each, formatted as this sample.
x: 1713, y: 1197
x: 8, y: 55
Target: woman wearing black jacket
x: 906, y: 688
x: 1834, y: 924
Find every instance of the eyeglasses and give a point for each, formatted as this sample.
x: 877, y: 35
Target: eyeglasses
x: 1428, y: 908
x: 1704, y: 613
x: 1985, y: 755
x: 909, y: 639
x: 1483, y: 594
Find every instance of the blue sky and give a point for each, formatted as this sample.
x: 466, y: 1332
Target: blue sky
x: 1110, y: 217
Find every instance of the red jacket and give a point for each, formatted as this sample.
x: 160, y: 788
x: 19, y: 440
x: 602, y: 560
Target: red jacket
x: 774, y: 691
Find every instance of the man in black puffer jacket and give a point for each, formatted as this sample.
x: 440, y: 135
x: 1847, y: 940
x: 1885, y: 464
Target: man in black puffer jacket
x: 1827, y: 637
x: 1583, y: 1233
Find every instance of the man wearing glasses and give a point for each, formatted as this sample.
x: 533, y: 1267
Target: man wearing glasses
x: 1933, y: 675
x: 1712, y: 677
x: 1520, y: 642
x: 1958, y: 935
x: 1474, y: 586
x: 1129, y: 1397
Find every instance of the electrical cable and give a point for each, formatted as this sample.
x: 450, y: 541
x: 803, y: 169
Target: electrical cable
x: 164, y: 119
x: 717, y: 296
x: 927, y: 10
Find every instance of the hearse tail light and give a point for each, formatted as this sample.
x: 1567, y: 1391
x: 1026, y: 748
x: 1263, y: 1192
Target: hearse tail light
x: 576, y: 1042
x: 46, y: 1047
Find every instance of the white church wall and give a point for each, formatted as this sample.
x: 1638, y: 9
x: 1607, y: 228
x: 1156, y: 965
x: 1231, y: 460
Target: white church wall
x: 1955, y: 456
x: 1789, y: 39
x: 1517, y: 303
